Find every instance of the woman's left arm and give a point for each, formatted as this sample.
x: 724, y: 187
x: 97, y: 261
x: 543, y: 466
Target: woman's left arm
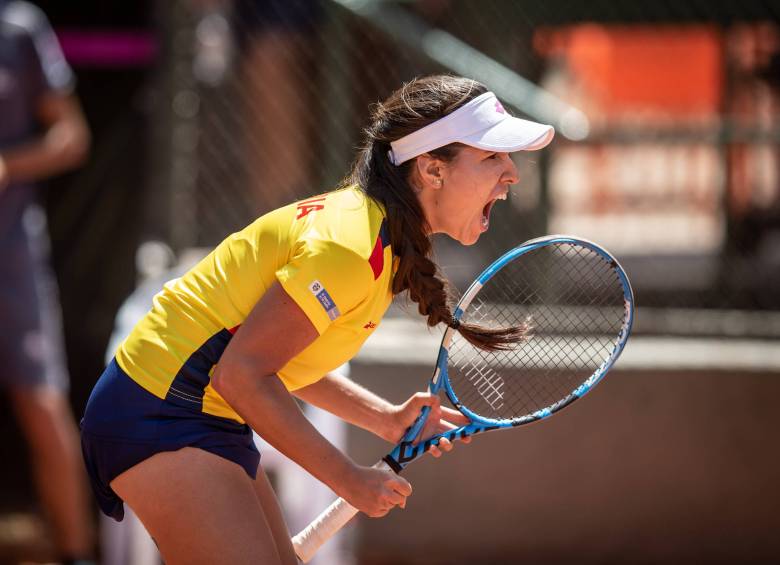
x: 352, y: 403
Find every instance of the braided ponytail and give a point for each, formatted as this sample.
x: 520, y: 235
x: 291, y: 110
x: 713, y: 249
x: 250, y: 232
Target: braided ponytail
x: 413, y: 106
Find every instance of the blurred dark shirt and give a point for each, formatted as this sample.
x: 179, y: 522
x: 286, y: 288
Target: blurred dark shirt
x: 31, y: 65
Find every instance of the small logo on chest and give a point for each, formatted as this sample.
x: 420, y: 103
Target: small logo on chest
x: 369, y: 326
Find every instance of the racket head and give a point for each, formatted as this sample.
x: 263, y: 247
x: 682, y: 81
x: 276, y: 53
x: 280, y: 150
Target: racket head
x: 580, y: 305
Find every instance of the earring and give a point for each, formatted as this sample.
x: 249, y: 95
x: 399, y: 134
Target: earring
x: 439, y: 183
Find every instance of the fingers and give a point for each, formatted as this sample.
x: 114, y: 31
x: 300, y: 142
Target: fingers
x: 440, y: 420
x: 409, y: 411
x: 431, y: 426
x: 445, y: 445
x: 400, y: 485
x: 375, y: 491
x: 445, y: 427
x: 454, y: 416
x: 421, y: 399
x: 394, y: 498
x: 441, y: 425
x: 396, y: 490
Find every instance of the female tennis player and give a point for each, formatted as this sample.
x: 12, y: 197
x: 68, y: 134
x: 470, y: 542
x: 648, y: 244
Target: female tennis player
x: 274, y: 309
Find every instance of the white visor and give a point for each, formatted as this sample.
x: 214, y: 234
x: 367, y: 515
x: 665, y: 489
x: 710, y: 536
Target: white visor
x: 482, y: 123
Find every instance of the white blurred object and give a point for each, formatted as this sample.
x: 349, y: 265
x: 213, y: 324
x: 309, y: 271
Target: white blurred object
x: 153, y: 259
x: 126, y: 542
x: 213, y: 49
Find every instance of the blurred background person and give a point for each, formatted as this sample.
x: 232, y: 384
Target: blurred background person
x: 42, y: 133
x: 275, y: 40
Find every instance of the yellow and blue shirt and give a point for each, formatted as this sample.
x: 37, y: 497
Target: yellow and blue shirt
x: 331, y: 253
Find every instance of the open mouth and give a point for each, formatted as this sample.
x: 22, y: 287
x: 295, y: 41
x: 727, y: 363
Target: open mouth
x: 486, y: 211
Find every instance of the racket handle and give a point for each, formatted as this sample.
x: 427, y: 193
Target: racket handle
x: 326, y: 525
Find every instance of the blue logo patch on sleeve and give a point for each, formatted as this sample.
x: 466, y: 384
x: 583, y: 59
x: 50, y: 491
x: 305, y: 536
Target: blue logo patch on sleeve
x: 324, y: 299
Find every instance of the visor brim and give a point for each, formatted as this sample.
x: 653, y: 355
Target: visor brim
x: 511, y: 134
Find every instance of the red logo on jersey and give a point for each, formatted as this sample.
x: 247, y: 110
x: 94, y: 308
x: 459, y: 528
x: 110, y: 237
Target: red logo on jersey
x: 308, y: 206
x: 369, y: 326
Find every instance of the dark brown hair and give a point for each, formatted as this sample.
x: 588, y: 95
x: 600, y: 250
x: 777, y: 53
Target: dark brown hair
x: 413, y: 106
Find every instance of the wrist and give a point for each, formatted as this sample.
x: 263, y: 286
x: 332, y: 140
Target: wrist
x: 391, y: 428
x: 347, y: 475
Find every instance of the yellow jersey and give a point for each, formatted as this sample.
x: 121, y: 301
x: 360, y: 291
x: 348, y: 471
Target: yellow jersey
x: 331, y: 253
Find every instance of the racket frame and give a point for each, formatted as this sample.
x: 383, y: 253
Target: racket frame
x: 407, y: 451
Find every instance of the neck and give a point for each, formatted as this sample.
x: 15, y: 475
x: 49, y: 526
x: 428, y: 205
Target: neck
x: 428, y: 199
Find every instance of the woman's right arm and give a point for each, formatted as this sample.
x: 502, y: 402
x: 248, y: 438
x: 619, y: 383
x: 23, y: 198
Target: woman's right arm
x: 274, y: 332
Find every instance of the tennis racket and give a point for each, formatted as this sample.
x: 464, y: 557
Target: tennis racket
x: 578, y: 304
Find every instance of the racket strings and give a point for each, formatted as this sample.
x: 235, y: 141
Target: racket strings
x: 572, y: 299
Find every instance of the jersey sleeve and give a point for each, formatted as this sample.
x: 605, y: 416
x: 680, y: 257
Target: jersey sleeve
x: 326, y: 280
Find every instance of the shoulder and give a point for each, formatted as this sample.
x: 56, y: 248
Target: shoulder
x: 24, y: 17
x: 40, y: 48
x: 334, y: 256
x: 347, y: 219
x: 326, y: 279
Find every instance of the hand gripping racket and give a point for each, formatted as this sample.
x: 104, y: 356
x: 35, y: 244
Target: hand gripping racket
x: 578, y: 304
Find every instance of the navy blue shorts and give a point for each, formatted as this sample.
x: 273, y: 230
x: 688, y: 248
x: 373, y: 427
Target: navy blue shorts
x: 124, y: 424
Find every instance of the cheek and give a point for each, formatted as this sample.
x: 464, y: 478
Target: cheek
x: 468, y: 194
x: 473, y: 192
x: 469, y: 202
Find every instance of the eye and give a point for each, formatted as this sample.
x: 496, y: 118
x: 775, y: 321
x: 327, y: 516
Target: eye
x: 492, y: 156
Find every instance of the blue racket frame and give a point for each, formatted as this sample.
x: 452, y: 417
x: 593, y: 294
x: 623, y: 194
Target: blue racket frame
x: 407, y: 451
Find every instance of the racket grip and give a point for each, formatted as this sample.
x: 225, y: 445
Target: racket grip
x: 326, y: 525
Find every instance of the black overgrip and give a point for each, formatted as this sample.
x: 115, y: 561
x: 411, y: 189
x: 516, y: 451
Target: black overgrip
x: 393, y: 464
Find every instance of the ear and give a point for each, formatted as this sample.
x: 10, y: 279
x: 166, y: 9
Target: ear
x: 429, y: 170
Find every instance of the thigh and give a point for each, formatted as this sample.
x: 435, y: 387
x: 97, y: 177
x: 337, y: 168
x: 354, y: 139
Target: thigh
x: 273, y: 513
x: 199, y: 508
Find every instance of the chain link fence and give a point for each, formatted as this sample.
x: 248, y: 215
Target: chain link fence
x: 667, y: 119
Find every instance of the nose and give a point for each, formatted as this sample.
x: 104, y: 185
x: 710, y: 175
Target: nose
x: 511, y: 174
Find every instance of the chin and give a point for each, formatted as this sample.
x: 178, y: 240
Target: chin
x: 468, y: 240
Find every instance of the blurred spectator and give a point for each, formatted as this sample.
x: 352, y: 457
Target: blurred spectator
x: 753, y: 81
x: 42, y: 133
x: 278, y: 67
